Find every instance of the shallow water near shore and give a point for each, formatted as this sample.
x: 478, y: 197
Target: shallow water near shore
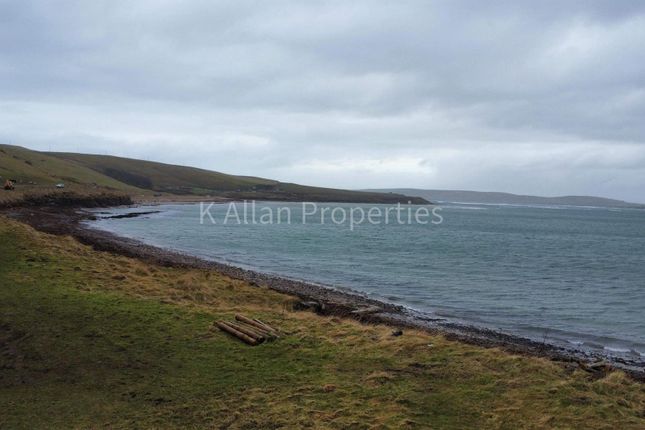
x: 564, y: 275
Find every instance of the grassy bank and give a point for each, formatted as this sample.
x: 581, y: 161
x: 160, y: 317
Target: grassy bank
x: 92, y: 340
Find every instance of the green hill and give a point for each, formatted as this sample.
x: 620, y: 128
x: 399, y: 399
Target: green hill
x: 163, y: 177
x: 43, y: 169
x: 39, y: 169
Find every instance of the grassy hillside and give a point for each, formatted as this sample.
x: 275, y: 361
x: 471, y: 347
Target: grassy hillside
x: 174, y: 179
x: 38, y: 170
x: 163, y: 177
x: 93, y: 340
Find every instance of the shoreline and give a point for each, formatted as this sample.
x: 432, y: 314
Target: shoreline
x: 318, y: 298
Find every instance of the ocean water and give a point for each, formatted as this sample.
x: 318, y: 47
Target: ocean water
x: 566, y: 275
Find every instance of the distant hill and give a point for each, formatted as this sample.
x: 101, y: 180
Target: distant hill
x: 460, y: 196
x: 44, y: 169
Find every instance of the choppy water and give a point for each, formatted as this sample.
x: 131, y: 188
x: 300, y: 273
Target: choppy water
x: 561, y: 274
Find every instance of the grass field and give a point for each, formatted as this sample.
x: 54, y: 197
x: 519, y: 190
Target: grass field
x: 40, y: 169
x: 93, y: 340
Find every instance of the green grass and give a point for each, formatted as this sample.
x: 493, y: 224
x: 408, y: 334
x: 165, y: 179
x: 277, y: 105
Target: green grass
x: 44, y: 170
x: 93, y: 340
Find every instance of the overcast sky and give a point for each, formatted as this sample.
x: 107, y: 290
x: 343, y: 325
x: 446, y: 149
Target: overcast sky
x: 530, y: 97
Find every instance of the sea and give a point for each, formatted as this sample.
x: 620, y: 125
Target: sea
x: 570, y: 276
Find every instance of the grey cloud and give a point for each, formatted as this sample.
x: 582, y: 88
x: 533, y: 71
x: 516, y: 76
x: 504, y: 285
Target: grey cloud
x: 321, y: 83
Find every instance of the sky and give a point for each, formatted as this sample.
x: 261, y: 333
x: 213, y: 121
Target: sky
x: 544, y: 98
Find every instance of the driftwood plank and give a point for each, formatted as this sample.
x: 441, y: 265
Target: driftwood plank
x: 267, y: 334
x: 245, y: 338
x: 267, y: 326
x: 257, y: 324
x: 247, y: 330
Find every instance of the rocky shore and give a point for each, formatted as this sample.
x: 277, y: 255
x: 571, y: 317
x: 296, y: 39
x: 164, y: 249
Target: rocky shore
x: 68, y: 220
